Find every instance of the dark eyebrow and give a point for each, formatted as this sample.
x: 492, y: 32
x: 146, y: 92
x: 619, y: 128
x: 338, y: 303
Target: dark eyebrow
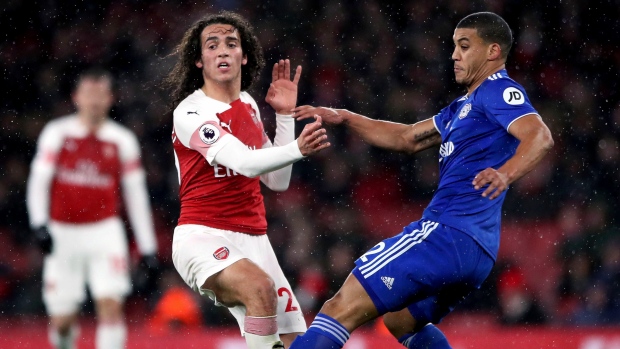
x: 462, y: 39
x: 228, y: 38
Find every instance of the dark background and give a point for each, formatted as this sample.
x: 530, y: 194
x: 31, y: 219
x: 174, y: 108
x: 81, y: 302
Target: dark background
x: 387, y: 60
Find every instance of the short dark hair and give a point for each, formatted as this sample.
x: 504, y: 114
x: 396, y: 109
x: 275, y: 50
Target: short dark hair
x: 185, y: 77
x: 491, y: 28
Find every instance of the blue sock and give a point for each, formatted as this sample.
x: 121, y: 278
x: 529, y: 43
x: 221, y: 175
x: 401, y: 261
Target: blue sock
x: 324, y: 333
x: 430, y: 337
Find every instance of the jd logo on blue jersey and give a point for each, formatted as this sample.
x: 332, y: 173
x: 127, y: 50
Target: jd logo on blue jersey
x: 513, y: 96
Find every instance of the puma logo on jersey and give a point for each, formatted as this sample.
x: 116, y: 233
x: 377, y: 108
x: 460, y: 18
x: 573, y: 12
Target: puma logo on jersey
x: 192, y: 112
x: 388, y: 281
x: 226, y: 126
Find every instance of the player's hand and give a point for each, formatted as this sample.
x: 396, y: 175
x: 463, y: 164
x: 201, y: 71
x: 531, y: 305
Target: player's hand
x: 497, y: 182
x: 149, y: 262
x: 44, y: 239
x: 330, y: 116
x: 282, y: 93
x: 145, y: 279
x: 313, y: 138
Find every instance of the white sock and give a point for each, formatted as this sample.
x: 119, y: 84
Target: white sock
x: 111, y: 336
x: 261, y: 342
x: 63, y: 342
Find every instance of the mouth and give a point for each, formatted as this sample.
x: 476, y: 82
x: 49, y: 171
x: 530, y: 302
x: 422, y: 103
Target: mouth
x: 223, y: 65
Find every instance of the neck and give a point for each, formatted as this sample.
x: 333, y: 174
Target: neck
x: 91, y: 122
x: 223, y: 92
x: 483, y: 75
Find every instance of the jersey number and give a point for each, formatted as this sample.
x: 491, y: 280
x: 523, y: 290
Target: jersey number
x: 289, y: 294
x: 378, y: 248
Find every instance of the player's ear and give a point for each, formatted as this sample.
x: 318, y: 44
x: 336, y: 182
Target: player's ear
x: 494, y: 52
x: 199, y: 64
x: 244, y: 61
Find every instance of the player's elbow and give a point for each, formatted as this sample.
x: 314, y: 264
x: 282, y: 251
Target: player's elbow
x: 248, y: 172
x: 279, y: 186
x: 546, y: 139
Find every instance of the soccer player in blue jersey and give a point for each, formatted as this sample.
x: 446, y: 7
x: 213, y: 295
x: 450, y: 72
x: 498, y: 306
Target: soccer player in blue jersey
x: 488, y: 138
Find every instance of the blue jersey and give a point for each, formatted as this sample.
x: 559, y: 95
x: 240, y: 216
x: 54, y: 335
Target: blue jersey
x: 474, y: 133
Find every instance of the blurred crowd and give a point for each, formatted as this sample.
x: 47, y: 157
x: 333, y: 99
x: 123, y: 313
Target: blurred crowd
x: 385, y: 59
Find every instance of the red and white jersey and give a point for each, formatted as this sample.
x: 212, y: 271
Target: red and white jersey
x: 87, y: 168
x: 213, y: 195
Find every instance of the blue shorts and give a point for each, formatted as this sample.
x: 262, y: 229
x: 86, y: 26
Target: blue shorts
x: 428, y: 268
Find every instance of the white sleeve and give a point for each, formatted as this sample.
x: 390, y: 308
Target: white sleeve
x: 285, y: 133
x: 136, y: 199
x: 251, y: 163
x: 38, y: 194
x: 41, y: 174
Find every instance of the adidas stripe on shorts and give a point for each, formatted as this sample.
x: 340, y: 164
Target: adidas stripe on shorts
x: 428, y: 268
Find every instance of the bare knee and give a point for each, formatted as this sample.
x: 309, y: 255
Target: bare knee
x: 261, y: 298
x: 109, y: 310
x: 244, y: 283
x: 63, y: 323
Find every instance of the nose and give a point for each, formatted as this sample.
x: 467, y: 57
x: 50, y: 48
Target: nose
x: 455, y: 56
x: 223, y: 51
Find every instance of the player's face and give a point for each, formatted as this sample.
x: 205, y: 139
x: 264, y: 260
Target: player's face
x: 221, y: 57
x: 469, y: 56
x: 93, y: 97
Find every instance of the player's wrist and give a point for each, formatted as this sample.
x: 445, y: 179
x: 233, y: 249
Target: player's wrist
x: 344, y: 115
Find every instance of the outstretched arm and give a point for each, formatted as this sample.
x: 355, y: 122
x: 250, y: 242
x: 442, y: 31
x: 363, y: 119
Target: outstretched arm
x: 383, y: 134
x: 536, y: 140
x: 282, y: 96
x: 251, y: 163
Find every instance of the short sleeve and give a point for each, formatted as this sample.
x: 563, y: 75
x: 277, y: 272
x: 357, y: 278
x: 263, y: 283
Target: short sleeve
x: 505, y: 101
x: 441, y: 121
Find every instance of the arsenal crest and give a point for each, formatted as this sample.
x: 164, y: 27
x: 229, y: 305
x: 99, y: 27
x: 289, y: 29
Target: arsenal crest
x: 221, y: 253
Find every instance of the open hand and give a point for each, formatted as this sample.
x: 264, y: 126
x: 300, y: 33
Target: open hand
x: 312, y: 138
x: 497, y: 181
x: 282, y: 93
x: 329, y: 115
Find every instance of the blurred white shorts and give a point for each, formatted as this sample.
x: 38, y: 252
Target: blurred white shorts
x: 93, y: 254
x: 199, y: 252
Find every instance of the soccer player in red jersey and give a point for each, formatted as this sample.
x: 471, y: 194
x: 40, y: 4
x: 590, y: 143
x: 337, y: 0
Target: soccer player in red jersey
x: 73, y: 202
x: 222, y: 154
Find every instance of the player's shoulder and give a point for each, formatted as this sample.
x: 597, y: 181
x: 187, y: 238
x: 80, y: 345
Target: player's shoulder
x: 499, y: 86
x: 62, y: 125
x: 62, y: 121
x: 245, y: 97
x: 199, y: 104
x: 119, y: 128
x: 497, y: 82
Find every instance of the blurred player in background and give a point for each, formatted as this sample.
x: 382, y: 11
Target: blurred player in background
x: 222, y: 154
x: 73, y: 201
x: 488, y: 138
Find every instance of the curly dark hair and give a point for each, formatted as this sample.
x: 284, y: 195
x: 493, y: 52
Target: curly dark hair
x: 185, y: 77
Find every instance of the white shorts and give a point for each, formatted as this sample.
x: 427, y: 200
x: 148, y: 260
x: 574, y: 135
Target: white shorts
x: 199, y: 252
x: 95, y: 254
